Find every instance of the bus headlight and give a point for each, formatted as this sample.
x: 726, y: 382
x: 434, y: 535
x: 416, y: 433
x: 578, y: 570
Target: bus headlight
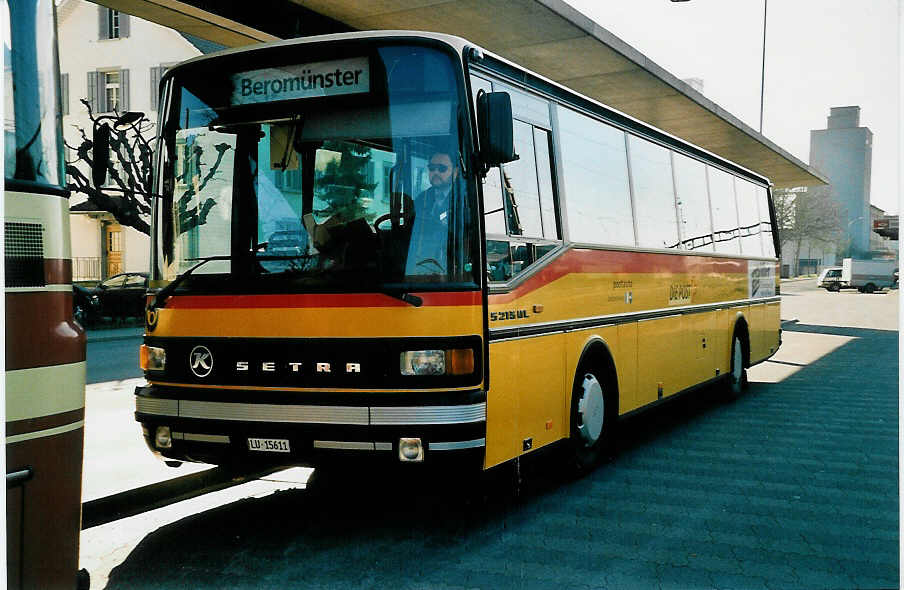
x: 459, y: 361
x: 152, y: 358
x: 423, y: 362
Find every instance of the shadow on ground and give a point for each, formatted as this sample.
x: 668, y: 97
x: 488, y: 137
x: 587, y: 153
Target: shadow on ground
x: 792, y: 485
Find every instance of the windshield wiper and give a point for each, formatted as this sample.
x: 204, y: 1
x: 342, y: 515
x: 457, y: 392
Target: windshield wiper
x: 165, y: 292
x: 405, y: 296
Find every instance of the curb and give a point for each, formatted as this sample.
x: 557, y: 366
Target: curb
x: 157, y: 495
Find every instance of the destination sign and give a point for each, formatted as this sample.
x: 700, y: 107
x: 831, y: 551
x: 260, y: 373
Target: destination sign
x: 325, y: 78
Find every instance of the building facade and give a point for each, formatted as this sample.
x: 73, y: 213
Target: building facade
x: 114, y: 61
x: 843, y: 152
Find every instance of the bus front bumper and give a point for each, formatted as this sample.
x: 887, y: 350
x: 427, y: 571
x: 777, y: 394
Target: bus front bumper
x: 448, y: 426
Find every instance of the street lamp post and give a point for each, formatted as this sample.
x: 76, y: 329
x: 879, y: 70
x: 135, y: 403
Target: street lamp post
x: 763, y: 71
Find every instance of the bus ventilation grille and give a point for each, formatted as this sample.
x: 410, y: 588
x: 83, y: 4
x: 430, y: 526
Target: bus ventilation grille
x: 24, y: 254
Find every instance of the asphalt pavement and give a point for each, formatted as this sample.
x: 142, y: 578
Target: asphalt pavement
x: 112, y: 353
x: 794, y: 485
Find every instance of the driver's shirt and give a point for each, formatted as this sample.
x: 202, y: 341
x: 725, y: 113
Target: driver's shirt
x: 428, y: 251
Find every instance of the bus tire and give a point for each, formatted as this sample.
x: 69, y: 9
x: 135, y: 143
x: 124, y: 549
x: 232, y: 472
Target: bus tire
x: 594, y: 412
x: 736, y: 383
x: 834, y: 288
x: 869, y: 288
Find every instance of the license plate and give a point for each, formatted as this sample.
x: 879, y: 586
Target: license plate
x: 268, y: 445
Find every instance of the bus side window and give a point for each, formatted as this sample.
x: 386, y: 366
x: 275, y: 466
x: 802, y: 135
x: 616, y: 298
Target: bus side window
x: 748, y: 218
x: 654, y: 194
x: 519, y: 208
x: 762, y: 197
x: 595, y: 179
x: 528, y: 201
x: 724, y: 209
x: 696, y: 226
x: 499, y: 260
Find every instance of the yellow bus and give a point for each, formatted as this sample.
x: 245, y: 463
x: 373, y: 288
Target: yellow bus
x: 44, y: 389
x: 401, y: 247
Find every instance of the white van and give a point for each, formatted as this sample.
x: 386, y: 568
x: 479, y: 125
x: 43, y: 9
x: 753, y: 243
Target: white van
x: 830, y: 278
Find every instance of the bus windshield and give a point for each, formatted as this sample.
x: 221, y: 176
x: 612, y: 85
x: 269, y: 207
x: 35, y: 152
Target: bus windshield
x: 340, y: 172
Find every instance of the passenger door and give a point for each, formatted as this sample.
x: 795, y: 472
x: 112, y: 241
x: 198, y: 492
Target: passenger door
x: 525, y: 403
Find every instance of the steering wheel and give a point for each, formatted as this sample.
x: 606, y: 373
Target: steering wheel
x: 382, y: 219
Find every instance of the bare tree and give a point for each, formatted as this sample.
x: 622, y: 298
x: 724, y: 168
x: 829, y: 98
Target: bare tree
x: 129, y: 195
x: 807, y: 215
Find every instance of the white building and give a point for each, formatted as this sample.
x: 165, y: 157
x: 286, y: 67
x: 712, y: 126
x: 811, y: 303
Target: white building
x: 115, y: 61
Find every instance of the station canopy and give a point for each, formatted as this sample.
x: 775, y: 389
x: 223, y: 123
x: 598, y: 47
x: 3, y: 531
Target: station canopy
x: 546, y: 36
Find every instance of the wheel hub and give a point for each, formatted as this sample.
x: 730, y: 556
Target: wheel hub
x: 591, y: 410
x: 737, y: 362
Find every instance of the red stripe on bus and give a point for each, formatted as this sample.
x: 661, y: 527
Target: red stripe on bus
x: 40, y: 331
x: 289, y: 301
x: 618, y: 262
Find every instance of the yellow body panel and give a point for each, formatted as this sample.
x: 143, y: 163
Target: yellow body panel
x: 529, y: 405
x: 321, y: 322
x: 670, y: 331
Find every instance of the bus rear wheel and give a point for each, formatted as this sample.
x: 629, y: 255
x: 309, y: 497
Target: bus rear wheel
x: 592, y: 420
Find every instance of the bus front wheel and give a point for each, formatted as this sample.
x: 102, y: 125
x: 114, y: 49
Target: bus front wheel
x: 592, y: 419
x: 736, y: 383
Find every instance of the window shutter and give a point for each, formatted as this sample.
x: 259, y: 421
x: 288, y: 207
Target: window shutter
x: 92, y: 91
x: 103, y: 31
x: 64, y: 93
x: 156, y: 73
x: 123, y: 90
x: 101, y: 92
x: 123, y: 25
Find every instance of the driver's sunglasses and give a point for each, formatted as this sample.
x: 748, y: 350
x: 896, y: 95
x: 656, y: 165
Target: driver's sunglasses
x: 437, y: 167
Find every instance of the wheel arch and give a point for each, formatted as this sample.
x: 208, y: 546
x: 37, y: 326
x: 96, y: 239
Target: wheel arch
x: 596, y: 353
x: 742, y: 329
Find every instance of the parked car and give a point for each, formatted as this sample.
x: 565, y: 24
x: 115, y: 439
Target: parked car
x: 85, y: 305
x: 123, y: 295
x: 830, y: 278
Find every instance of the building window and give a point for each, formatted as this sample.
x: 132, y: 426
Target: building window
x: 111, y: 90
x: 114, y: 241
x: 112, y: 24
x: 108, y: 91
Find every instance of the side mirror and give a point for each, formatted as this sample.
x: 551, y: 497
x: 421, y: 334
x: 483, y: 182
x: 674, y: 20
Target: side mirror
x: 101, y: 142
x: 494, y: 127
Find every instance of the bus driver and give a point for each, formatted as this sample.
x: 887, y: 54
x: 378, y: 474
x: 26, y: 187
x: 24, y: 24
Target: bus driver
x: 427, y: 251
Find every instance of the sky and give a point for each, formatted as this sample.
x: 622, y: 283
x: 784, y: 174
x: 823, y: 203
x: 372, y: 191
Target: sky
x: 819, y: 54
